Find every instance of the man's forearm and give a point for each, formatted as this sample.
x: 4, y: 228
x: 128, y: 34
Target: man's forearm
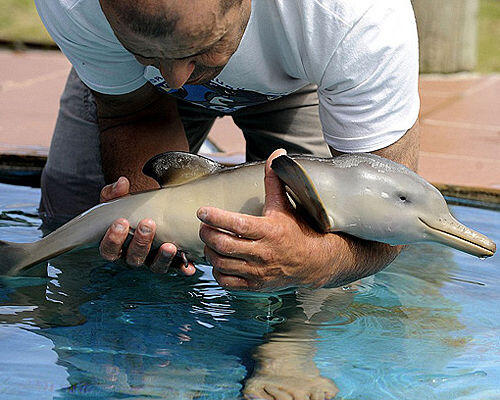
x: 126, y: 148
x: 359, y: 257
x: 131, y: 138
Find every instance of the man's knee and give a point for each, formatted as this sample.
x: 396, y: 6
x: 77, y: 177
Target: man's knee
x: 72, y: 179
x: 64, y: 197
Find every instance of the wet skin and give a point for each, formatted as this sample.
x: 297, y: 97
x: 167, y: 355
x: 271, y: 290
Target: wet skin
x: 338, y: 259
x: 196, y: 52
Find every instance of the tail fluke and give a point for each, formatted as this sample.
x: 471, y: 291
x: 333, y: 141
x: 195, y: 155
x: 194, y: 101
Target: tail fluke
x: 16, y: 259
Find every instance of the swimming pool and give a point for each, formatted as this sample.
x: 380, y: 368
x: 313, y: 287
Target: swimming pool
x: 427, y: 327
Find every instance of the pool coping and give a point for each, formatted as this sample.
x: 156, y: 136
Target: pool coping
x: 23, y: 169
x: 459, y: 125
x: 485, y: 195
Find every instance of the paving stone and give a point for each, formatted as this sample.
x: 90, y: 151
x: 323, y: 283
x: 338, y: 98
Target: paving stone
x: 30, y: 86
x: 460, y: 119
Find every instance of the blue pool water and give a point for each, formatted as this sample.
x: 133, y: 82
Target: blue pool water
x: 427, y: 327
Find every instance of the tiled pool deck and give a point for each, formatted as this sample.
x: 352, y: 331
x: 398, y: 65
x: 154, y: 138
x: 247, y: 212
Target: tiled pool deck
x: 460, y: 119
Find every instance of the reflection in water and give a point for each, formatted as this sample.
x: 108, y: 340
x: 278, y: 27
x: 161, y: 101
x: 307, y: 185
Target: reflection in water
x: 420, y: 329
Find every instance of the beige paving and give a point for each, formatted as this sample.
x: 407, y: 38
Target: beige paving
x: 30, y: 86
x: 460, y: 119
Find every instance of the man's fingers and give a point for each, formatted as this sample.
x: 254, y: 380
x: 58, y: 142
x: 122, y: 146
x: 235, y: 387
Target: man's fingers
x: 187, y: 269
x: 246, y: 226
x: 163, y: 259
x: 229, y: 281
x: 140, y: 244
x: 112, y: 242
x: 276, y: 198
x: 227, y: 265
x: 118, y: 189
x: 227, y: 244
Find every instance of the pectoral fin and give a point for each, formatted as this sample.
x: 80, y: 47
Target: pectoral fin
x: 303, y: 190
x: 176, y: 168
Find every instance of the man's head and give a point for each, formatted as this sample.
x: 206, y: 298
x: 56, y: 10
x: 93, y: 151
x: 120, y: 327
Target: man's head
x: 189, y: 41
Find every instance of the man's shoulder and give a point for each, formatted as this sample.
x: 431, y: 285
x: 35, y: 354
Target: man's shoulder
x: 347, y: 12
x: 77, y: 23
x: 75, y: 12
x: 69, y: 5
x: 83, y: 33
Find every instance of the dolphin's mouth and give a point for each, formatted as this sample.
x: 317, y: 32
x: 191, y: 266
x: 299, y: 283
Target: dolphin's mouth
x: 452, y: 233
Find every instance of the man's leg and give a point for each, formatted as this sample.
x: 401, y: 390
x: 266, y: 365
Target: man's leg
x: 291, y: 122
x: 197, y: 122
x: 72, y: 178
x: 286, y: 369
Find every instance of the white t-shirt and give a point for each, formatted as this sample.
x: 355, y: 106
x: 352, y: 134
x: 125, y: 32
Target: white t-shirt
x: 362, y: 55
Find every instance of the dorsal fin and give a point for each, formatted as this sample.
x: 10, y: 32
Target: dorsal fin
x: 303, y: 190
x: 177, y: 167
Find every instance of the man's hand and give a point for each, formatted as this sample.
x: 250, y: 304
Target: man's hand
x: 111, y: 247
x: 279, y: 249
x: 273, y: 251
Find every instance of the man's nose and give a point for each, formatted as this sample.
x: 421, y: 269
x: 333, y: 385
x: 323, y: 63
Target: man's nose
x: 177, y: 72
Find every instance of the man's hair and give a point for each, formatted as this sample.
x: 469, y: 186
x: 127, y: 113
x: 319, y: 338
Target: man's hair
x: 226, y: 5
x: 159, y: 24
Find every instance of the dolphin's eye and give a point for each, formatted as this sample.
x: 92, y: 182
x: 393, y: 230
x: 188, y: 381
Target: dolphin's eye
x: 403, y: 198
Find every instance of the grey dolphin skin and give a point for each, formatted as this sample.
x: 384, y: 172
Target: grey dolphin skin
x: 360, y: 194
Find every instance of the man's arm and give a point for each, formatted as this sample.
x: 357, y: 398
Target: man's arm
x: 371, y: 257
x: 279, y: 249
x: 133, y: 128
x: 404, y: 151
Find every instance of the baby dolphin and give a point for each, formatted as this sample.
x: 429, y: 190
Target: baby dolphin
x: 363, y: 195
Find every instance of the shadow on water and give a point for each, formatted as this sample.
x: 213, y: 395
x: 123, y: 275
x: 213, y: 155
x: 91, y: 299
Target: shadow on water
x: 101, y: 331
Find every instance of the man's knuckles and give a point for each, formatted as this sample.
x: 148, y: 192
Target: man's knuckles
x: 141, y: 242
x: 216, y: 261
x: 230, y: 281
x: 224, y: 245
x: 242, y: 226
x: 219, y: 241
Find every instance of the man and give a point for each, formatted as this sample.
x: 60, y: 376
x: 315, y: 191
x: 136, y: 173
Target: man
x: 151, y: 76
x: 255, y: 61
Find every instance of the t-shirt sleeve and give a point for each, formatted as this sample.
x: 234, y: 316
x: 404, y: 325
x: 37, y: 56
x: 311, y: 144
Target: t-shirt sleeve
x: 85, y: 37
x: 368, y: 95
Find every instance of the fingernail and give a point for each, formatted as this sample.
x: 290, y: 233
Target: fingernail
x: 118, y: 182
x: 144, y: 229
x: 166, y: 255
x: 202, y: 214
x: 119, y: 227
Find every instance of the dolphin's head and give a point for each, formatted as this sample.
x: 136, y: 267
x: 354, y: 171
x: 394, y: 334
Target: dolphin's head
x: 396, y: 206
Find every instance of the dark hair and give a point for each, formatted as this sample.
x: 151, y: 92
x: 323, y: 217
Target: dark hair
x: 148, y: 24
x: 157, y: 25
x: 226, y: 5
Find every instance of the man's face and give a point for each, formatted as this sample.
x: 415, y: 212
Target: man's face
x: 200, y: 46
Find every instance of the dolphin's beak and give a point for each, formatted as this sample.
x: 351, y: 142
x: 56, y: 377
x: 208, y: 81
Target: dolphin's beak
x: 447, y: 230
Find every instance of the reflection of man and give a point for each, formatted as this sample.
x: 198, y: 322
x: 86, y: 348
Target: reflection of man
x: 115, y: 115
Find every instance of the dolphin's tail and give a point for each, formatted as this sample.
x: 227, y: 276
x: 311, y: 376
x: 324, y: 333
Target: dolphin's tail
x: 16, y: 257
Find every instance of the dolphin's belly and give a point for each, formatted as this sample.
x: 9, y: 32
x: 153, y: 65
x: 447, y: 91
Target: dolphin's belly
x: 174, y: 208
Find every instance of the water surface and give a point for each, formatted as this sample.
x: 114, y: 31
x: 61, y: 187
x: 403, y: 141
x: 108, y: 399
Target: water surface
x: 427, y: 327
